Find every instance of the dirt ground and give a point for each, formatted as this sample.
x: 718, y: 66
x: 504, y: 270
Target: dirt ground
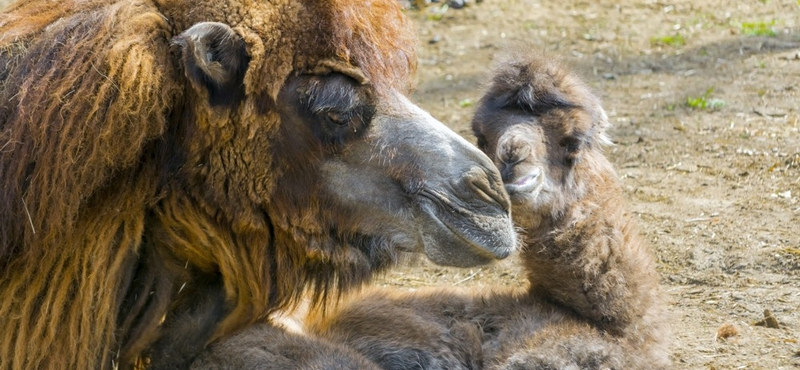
x: 716, y: 189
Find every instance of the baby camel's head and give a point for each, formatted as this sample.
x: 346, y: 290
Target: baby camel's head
x: 543, y: 128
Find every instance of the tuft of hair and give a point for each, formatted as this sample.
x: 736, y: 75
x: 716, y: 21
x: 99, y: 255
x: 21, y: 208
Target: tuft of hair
x: 538, y: 83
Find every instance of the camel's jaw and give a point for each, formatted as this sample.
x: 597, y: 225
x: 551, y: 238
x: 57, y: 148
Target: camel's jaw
x: 448, y: 226
x: 413, y: 176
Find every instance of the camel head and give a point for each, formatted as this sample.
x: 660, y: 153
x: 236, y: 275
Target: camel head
x: 336, y: 156
x: 544, y: 130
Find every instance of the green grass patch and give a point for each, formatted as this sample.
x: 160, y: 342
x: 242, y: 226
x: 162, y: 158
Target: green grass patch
x: 759, y: 28
x: 437, y: 13
x: 529, y: 25
x: 674, y: 40
x: 705, y: 101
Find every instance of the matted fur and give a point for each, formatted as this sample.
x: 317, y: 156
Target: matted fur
x: 99, y: 243
x: 593, y: 300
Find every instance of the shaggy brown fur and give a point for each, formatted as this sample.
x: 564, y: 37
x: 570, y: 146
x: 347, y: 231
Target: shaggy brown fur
x: 168, y: 180
x: 593, y: 300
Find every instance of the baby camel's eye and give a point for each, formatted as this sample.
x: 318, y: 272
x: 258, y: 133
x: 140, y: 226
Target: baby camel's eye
x: 571, y: 144
x: 481, y: 142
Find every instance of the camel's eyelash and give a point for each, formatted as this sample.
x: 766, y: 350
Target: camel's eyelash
x: 337, y: 108
x: 336, y: 98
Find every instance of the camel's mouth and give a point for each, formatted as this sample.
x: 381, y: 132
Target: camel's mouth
x: 528, y: 184
x: 456, y: 237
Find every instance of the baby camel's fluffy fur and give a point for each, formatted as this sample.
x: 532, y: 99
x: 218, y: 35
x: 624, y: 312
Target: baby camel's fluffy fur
x: 266, y: 347
x: 593, y: 297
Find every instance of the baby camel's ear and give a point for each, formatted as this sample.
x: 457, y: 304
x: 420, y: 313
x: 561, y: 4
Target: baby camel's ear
x: 214, y: 59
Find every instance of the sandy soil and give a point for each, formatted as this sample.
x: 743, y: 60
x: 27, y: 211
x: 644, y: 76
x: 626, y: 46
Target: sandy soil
x: 716, y: 189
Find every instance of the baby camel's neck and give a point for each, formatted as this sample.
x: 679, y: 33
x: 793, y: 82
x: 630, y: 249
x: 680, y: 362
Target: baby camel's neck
x: 590, y: 258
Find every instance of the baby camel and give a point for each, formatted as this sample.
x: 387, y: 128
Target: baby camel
x: 592, y: 301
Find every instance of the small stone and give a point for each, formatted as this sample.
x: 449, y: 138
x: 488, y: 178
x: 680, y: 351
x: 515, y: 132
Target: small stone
x: 457, y: 4
x: 435, y: 39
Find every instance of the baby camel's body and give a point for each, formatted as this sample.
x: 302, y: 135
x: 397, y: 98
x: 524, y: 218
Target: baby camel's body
x: 593, y: 297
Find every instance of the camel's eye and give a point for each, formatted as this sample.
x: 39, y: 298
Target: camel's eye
x: 340, y: 125
x: 334, y: 106
x: 338, y: 119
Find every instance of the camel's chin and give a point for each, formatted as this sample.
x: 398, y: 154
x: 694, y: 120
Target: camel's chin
x: 452, y: 239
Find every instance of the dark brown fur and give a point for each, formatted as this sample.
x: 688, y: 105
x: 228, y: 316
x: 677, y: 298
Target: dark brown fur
x: 593, y: 300
x: 160, y: 189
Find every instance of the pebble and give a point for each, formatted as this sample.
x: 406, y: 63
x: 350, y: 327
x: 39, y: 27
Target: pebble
x: 457, y: 4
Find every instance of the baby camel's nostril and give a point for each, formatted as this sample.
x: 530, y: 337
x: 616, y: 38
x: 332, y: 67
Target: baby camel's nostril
x: 488, y: 187
x: 512, y: 151
x: 507, y: 172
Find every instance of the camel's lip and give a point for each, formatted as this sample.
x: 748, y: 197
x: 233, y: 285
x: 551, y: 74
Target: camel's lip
x: 484, y: 251
x: 455, y: 235
x: 525, y: 184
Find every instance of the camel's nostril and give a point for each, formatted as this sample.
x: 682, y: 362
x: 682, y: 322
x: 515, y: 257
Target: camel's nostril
x: 488, y: 187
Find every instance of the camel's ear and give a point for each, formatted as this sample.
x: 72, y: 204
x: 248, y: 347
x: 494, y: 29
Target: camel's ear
x: 214, y: 58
